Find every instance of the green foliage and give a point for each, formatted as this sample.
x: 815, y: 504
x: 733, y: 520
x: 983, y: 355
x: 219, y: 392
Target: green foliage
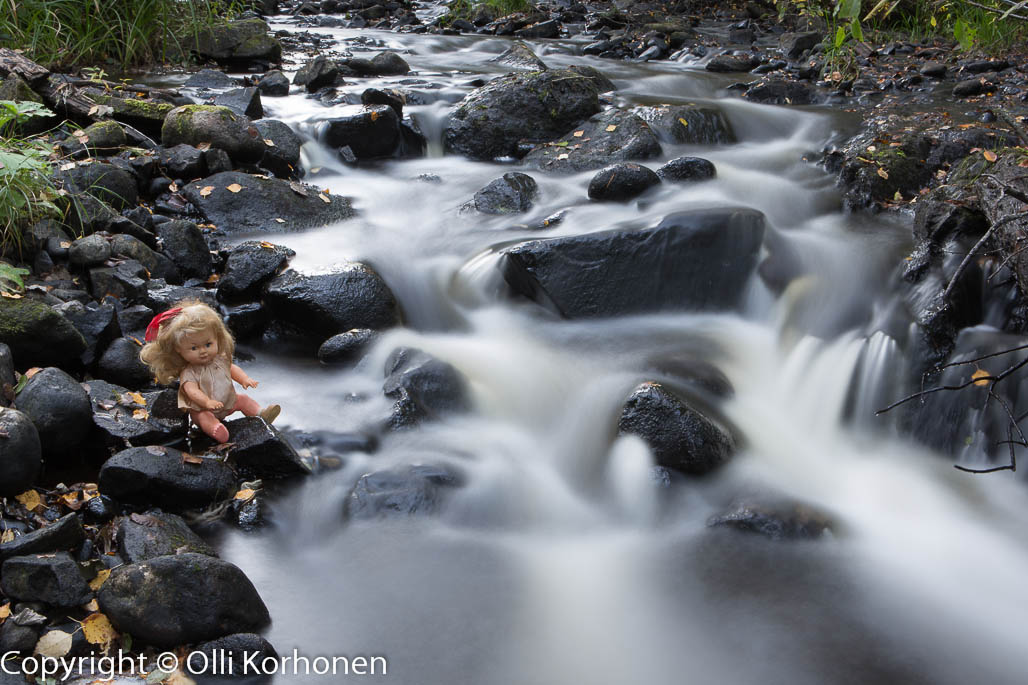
x: 62, y: 33
x: 468, y: 9
x: 11, y: 278
x: 26, y: 192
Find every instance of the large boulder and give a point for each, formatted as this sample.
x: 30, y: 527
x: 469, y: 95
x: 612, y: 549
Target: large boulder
x: 346, y: 348
x: 21, y: 456
x: 245, y: 40
x: 55, y: 580
x: 103, y: 181
x: 689, y: 124
x: 218, y: 126
x: 263, y: 204
x: 60, y: 410
x: 185, y: 245
x: 249, y: 266
x: 613, y: 136
x: 400, y: 492
x: 512, y: 193
x: 422, y: 387
x: 539, y: 106
x: 320, y: 72
x: 38, y: 335
x: 282, y: 148
x: 681, y: 437
x: 122, y: 418
x: 260, y: 451
x: 369, y: 131
x: 692, y: 260
x: 156, y: 534
x: 353, y: 296
x: 184, y: 598
x: 64, y: 534
x: 161, y: 476
x: 120, y: 363
x: 621, y: 182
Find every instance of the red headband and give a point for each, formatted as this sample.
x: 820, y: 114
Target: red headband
x: 155, y: 323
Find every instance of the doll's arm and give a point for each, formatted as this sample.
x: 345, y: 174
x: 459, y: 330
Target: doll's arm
x: 192, y: 390
x: 239, y: 376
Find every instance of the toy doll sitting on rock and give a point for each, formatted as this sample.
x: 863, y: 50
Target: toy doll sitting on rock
x: 191, y: 343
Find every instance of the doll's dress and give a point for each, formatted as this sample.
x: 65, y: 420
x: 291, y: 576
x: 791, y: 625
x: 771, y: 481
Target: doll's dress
x: 215, y: 380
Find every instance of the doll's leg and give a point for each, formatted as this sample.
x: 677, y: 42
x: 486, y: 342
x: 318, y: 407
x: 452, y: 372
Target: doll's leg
x: 210, y: 425
x: 247, y: 405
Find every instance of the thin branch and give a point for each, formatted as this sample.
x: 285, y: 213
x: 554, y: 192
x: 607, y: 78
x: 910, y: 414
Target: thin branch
x: 996, y: 10
x: 981, y: 241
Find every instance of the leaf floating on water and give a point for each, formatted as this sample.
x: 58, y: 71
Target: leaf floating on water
x: 611, y: 128
x: 981, y: 377
x: 990, y: 156
x: 206, y: 190
x: 54, y: 644
x: 234, y: 188
x: 29, y: 499
x: 97, y: 630
x: 101, y: 578
x: 578, y: 134
x: 298, y: 189
x: 246, y: 494
x: 188, y: 458
x: 883, y: 173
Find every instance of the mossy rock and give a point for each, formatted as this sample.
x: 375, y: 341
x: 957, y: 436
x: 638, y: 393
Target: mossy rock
x: 15, y: 89
x: 145, y: 114
x: 238, y: 41
x: 38, y: 335
x: 105, y: 136
x: 219, y: 126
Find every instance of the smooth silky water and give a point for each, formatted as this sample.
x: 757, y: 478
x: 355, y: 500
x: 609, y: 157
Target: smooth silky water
x: 562, y: 559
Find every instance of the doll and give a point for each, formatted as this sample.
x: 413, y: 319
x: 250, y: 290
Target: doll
x: 190, y: 342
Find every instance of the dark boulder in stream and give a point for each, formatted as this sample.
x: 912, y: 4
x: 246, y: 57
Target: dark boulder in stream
x: 400, y: 492
x: 371, y: 132
x: 66, y: 533
x: 163, y: 477
x: 689, y: 124
x: 681, y: 437
x: 263, y: 204
x: 422, y: 387
x: 622, y: 182
x: 492, y: 120
x: 37, y: 334
x: 218, y: 126
x: 775, y: 520
x: 352, y: 296
x: 613, y: 136
x: 155, y: 534
x: 260, y: 451
x: 54, y: 580
x: 512, y: 193
x: 237, y: 42
x: 695, y: 260
x: 182, y: 598
x: 249, y: 266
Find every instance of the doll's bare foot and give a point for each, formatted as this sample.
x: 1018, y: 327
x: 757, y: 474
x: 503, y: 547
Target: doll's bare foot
x: 220, y: 433
x: 270, y: 413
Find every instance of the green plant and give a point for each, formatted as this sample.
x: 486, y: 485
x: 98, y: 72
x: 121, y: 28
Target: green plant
x: 26, y: 191
x: 11, y: 278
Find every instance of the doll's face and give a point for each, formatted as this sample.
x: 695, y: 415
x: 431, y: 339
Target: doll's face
x: 198, y: 349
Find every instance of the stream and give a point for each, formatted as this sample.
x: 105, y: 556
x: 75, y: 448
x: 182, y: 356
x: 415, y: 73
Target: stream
x: 562, y: 559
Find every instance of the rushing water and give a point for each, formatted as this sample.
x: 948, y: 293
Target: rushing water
x: 562, y: 560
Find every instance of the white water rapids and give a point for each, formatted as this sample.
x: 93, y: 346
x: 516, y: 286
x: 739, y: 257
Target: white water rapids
x: 561, y: 560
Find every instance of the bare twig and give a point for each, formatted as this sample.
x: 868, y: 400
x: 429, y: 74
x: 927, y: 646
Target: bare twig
x: 996, y: 10
x: 974, y: 250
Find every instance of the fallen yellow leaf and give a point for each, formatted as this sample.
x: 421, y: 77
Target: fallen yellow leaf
x: 101, y: 578
x: 173, y: 187
x: 135, y: 397
x: 203, y: 146
x: 190, y: 459
x: 206, y: 190
x: 281, y: 221
x: 267, y: 246
x: 324, y: 198
x: 374, y: 116
x: 981, y: 377
x: 92, y: 606
x: 5, y: 611
x: 269, y: 142
x: 97, y: 629
x: 612, y: 127
x: 6, y: 536
x: 989, y: 156
x: 140, y: 415
x: 32, y: 372
x: 578, y: 134
x: 72, y: 501
x: 883, y: 173
x: 246, y: 494
x: 234, y: 188
x: 29, y: 499
x: 683, y: 121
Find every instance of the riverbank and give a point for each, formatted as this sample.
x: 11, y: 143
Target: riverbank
x: 168, y: 199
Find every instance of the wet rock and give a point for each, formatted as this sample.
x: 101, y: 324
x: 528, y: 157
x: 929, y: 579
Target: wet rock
x: 729, y: 63
x: 155, y: 534
x: 613, y: 136
x: 95, y: 322
x: 241, y: 41
x: 263, y: 200
x: 520, y: 56
x: 890, y: 170
x: 125, y: 281
x: 145, y: 114
x: 934, y: 70
x: 134, y: 248
x: 219, y: 126
x: 20, y: 452
x: 998, y: 202
x: 346, y: 348
x: 233, y: 654
x: 354, y: 296
x: 320, y: 72
x: 512, y: 193
x: 492, y: 120
x: 282, y: 154
x: 160, y: 295
x: 89, y: 251
x: 185, y: 245
x: 612, y: 273
x: 378, y: 96
x: 249, y: 266
x: 185, y: 598
x: 246, y: 320
x: 386, y: 63
x: 260, y: 451
x: 689, y: 124
x: 55, y: 580
x: 622, y: 182
x: 133, y: 320
x: 775, y: 520
x: 99, y: 510
x: 984, y: 66
x: 542, y: 29
x: 422, y: 387
x: 64, y: 534
x: 681, y: 437
x: 122, y: 419
x: 369, y: 131
x: 274, y: 84
x: 120, y: 364
x: 105, y: 137
x: 793, y: 45
x: 8, y: 378
x: 105, y: 182
x: 210, y: 78
x: 245, y: 101
x: 602, y: 83
x: 400, y: 492
x: 687, y: 169
x: 217, y: 161
x: 159, y: 476
x: 971, y: 87
x: 183, y: 161
x: 15, y: 637
x: 780, y: 91
x: 60, y: 410
x: 84, y: 214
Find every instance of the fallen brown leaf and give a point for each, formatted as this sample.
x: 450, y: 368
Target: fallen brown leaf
x: 234, y: 188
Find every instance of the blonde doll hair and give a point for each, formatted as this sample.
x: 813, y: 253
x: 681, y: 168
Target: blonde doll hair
x: 162, y: 355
